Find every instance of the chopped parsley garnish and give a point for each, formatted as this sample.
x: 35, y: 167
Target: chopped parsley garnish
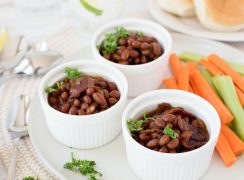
x: 136, y: 125
x: 57, y: 86
x: 84, y: 167
x: 110, y: 42
x: 170, y: 132
x: 73, y: 73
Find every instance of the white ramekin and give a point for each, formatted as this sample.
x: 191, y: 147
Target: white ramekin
x: 87, y: 131
x: 145, y: 77
x: 149, y: 164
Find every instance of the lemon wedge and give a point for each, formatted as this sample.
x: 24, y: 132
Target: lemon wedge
x: 3, y: 38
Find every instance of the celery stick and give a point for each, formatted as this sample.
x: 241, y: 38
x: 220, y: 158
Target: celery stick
x: 208, y: 77
x: 90, y: 8
x: 191, y: 56
x: 226, y: 89
x: 238, y: 67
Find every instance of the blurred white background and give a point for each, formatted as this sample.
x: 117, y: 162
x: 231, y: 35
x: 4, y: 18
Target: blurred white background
x: 37, y: 19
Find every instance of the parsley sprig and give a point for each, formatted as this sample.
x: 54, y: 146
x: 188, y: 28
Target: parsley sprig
x: 30, y: 178
x: 57, y: 86
x: 73, y: 73
x: 139, y: 33
x: 170, y: 132
x: 110, y: 42
x: 136, y: 125
x: 84, y: 167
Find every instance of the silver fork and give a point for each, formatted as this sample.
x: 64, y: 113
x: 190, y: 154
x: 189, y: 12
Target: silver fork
x: 17, y: 127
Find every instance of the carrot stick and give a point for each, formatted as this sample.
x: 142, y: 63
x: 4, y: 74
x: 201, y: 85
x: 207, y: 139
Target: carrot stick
x: 234, y: 141
x: 194, y: 89
x: 205, y: 90
x: 212, y: 68
x: 182, y: 78
x: 170, y: 83
x: 174, y: 63
x: 225, y: 150
x: 192, y: 66
x: 221, y: 64
x: 240, y: 96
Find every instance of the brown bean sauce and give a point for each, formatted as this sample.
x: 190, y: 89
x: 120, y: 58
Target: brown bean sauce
x: 169, y: 129
x: 135, y: 49
x: 84, y: 95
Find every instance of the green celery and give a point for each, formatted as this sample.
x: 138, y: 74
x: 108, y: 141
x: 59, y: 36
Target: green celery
x: 191, y: 56
x: 226, y: 89
x: 238, y: 67
x: 208, y: 77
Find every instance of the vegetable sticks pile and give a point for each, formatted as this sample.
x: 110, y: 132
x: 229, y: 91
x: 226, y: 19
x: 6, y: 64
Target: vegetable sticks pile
x: 222, y: 85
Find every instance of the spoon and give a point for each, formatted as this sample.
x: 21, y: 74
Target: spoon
x: 17, y: 127
x: 37, y: 61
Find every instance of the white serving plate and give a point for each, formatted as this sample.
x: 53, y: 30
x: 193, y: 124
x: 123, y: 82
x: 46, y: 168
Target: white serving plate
x: 111, y: 159
x: 190, y: 25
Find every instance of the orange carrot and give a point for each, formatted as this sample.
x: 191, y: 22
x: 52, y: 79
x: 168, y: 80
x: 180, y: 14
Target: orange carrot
x: 240, y: 96
x: 182, y: 78
x: 190, y: 89
x: 212, y: 68
x: 174, y: 63
x: 194, y: 89
x: 225, y: 150
x: 170, y: 83
x: 234, y: 141
x: 205, y: 90
x: 192, y: 66
x: 236, y: 77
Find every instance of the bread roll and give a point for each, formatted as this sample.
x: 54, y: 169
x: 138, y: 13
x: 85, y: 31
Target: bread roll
x: 183, y: 8
x: 221, y: 15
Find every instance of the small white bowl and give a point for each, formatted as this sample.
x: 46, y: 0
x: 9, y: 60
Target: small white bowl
x: 87, y: 131
x: 144, y: 77
x: 149, y: 164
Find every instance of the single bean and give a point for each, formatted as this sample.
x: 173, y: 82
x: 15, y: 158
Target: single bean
x: 146, y: 52
x: 91, y: 109
x: 114, y: 94
x: 156, y: 48
x: 137, y: 60
x: 201, y: 124
x: 144, y: 137
x: 155, y: 135
x: 163, y: 149
x: 122, y: 41
x: 125, y: 55
x: 73, y: 110
x: 81, y: 112
x: 106, y: 93
x: 194, y: 123
x: 145, y: 45
x: 116, y: 57
x: 65, y: 108
x: 159, y: 122
x: 107, y: 56
x: 168, y: 117
x: 112, y: 101
x: 143, y: 59
x: 112, y: 86
x: 98, y: 98
x: 89, y: 91
x: 164, y: 140
x: 84, y: 106
x: 173, y: 143
x: 64, y: 95
x: 76, y: 102
x: 53, y: 100
x: 134, y: 53
x: 152, y: 143
x: 87, y: 99
x: 135, y: 44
